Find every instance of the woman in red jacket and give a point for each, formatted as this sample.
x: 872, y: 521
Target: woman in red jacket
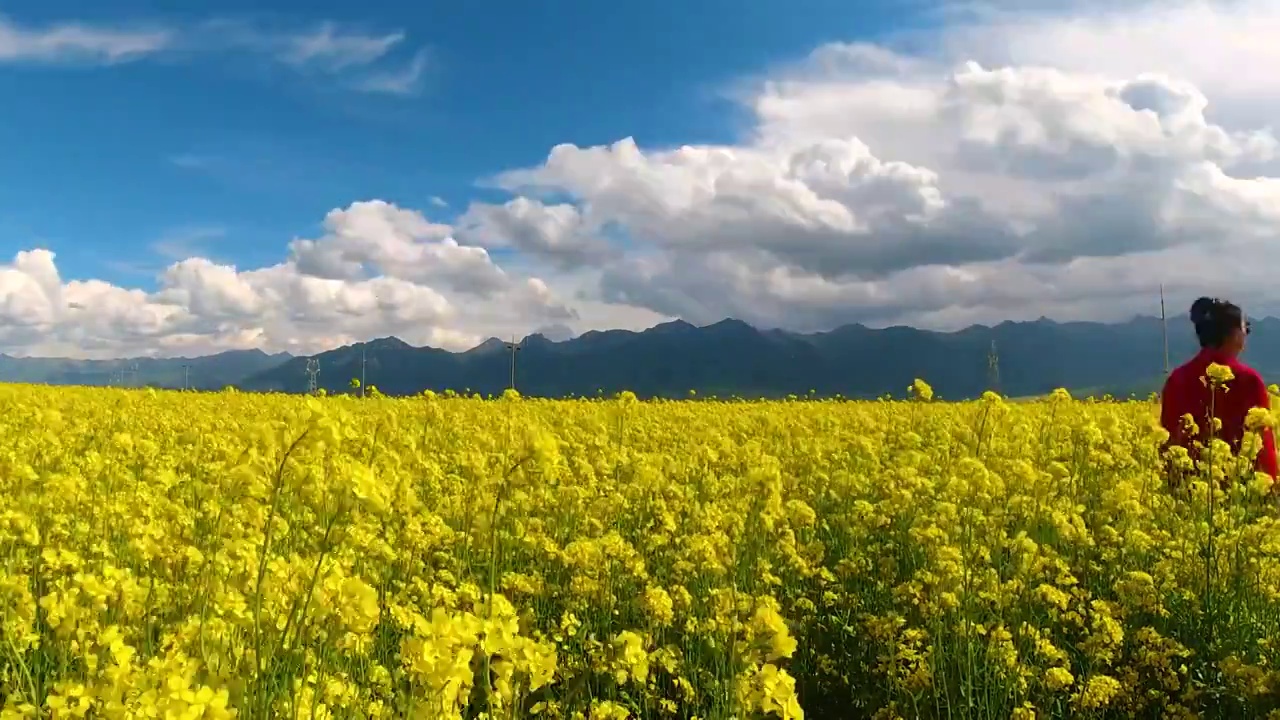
x: 1222, y: 329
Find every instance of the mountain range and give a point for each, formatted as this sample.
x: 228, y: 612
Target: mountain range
x: 733, y: 358
x: 724, y: 359
x: 210, y: 372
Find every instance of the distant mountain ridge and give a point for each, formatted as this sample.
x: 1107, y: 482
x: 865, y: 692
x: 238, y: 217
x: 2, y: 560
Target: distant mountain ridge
x: 209, y: 372
x: 723, y: 359
x: 733, y: 358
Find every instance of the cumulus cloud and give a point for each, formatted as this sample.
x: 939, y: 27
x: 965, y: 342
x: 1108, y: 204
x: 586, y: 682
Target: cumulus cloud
x: 378, y: 238
x: 1001, y: 173
x: 557, y: 233
x: 377, y: 270
x: 1223, y: 45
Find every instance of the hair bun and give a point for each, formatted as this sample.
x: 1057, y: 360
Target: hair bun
x: 1202, y: 310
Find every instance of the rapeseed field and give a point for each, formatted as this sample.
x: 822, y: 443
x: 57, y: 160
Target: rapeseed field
x: 175, y: 555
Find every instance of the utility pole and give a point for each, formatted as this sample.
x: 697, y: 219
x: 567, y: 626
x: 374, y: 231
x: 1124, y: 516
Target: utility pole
x: 186, y: 376
x: 514, y: 347
x: 313, y: 372
x: 1164, y: 331
x: 993, y: 368
x: 362, y: 380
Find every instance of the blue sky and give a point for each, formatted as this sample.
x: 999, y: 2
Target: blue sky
x: 121, y: 169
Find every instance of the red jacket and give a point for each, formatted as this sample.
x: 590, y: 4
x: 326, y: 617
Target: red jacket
x: 1185, y: 392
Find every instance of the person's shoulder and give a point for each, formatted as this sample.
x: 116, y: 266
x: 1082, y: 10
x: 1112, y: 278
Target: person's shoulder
x: 1183, y: 370
x: 1240, y: 367
x: 1246, y: 373
x: 1176, y: 381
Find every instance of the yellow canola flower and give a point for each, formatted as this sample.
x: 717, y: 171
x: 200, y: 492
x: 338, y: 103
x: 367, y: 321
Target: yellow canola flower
x: 1219, y: 374
x: 244, y: 555
x: 921, y: 390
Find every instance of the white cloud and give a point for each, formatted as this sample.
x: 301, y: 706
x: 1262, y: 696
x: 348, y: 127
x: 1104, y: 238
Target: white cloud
x: 358, y: 59
x: 336, y: 49
x: 79, y: 43
x: 377, y: 270
x: 1061, y: 177
x: 376, y: 238
x: 1222, y: 45
x: 557, y: 233
x: 405, y: 80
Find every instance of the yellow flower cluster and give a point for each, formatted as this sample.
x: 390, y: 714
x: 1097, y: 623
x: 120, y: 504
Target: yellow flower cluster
x: 176, y: 555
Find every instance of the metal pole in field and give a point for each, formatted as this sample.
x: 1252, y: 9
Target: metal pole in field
x: 993, y: 368
x: 186, y: 377
x: 362, y: 380
x: 1164, y: 331
x: 514, y: 347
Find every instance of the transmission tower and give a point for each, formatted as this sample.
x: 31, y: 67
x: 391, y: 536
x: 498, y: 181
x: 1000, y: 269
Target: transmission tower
x: 186, y: 377
x: 993, y: 369
x: 133, y: 370
x: 313, y: 373
x: 514, y: 347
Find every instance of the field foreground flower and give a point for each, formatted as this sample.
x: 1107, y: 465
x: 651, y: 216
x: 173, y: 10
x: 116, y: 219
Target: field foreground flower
x: 179, y: 555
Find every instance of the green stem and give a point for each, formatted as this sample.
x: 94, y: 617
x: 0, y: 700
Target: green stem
x: 268, y: 529
x: 26, y: 674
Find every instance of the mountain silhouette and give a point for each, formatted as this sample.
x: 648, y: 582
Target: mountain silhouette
x: 209, y: 372
x: 728, y: 358
x: 732, y: 358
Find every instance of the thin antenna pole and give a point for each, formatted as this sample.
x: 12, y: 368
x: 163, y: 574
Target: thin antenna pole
x: 993, y: 368
x: 514, y: 348
x: 1164, y: 331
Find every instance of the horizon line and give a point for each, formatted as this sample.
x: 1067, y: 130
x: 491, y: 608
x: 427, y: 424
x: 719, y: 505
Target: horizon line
x: 1137, y: 317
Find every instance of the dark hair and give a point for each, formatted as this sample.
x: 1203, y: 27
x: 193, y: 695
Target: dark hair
x: 1215, y: 320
